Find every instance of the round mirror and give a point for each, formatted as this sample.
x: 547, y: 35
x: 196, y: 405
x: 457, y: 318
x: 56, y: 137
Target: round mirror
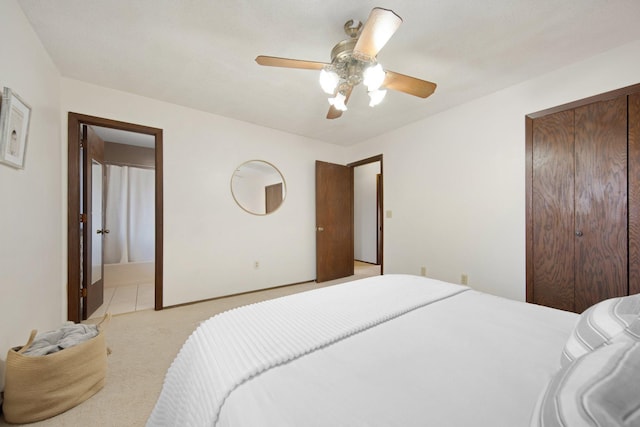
x: 258, y: 187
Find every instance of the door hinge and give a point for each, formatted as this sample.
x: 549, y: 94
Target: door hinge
x: 83, y: 218
x: 83, y: 292
x: 83, y: 143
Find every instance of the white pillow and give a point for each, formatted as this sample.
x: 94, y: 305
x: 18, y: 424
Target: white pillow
x: 598, y: 389
x: 598, y: 324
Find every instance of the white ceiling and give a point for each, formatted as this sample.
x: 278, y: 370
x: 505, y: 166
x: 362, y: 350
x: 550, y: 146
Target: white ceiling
x: 200, y: 53
x: 125, y: 137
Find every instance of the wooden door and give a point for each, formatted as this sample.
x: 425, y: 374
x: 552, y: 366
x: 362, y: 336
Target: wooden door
x: 272, y: 197
x: 93, y: 225
x: 579, y: 228
x: 634, y: 193
x: 601, y: 202
x: 334, y: 221
x: 553, y: 210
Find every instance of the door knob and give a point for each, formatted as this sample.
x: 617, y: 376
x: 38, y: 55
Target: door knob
x: 579, y: 233
x: 320, y: 228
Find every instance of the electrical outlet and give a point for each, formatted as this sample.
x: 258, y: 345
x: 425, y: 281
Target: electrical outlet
x: 256, y: 264
x: 423, y: 271
x: 464, y: 279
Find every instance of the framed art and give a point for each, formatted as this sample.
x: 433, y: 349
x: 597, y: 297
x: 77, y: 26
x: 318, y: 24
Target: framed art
x: 14, y: 129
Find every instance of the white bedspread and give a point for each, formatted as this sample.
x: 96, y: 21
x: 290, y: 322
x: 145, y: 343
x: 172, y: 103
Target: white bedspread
x: 393, y: 350
x: 228, y: 349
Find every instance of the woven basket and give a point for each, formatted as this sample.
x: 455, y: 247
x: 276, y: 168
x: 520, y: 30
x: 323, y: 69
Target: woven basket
x: 39, y: 387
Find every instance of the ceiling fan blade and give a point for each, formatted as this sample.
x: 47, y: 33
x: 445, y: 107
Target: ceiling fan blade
x: 334, y: 113
x: 274, y: 61
x: 407, y: 84
x: 380, y: 26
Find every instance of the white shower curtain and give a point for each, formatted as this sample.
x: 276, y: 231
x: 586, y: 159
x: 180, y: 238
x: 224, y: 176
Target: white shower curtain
x: 130, y: 215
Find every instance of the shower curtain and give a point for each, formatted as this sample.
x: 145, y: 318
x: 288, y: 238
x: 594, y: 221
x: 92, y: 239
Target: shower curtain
x: 129, y: 215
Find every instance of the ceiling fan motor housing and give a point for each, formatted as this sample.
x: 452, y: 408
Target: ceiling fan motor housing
x: 345, y: 65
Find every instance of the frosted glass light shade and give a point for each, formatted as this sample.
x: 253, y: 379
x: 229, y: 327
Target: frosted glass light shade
x: 338, y: 102
x: 376, y: 97
x: 373, y: 77
x: 329, y: 81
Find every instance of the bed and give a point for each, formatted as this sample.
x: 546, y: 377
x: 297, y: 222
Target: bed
x: 394, y: 350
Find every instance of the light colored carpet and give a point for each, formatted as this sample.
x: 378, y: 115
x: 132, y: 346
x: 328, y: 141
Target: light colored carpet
x: 144, y: 344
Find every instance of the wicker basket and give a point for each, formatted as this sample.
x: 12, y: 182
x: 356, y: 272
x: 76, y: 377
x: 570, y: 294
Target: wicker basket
x: 39, y: 387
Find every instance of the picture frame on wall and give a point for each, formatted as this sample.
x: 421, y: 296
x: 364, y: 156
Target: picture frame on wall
x: 15, y: 115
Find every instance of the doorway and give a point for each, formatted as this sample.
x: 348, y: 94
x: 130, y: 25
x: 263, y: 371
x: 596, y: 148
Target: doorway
x: 128, y: 255
x: 83, y: 298
x: 367, y: 186
x: 368, y: 216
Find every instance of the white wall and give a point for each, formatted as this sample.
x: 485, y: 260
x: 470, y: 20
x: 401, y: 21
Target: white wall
x: 365, y: 208
x: 32, y: 275
x: 455, y: 182
x: 211, y: 244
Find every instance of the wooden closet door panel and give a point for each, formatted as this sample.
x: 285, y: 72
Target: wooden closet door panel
x: 634, y: 193
x: 552, y: 210
x: 601, y: 202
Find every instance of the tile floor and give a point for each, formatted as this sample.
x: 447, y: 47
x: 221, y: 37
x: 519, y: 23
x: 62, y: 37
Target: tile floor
x: 126, y: 299
x: 365, y: 269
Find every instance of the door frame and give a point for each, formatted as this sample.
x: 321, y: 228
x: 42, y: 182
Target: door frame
x: 75, y: 121
x: 380, y: 206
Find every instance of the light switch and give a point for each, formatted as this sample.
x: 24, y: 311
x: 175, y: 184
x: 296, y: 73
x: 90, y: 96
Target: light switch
x: 389, y: 214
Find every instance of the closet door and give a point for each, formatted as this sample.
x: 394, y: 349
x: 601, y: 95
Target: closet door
x: 634, y: 193
x: 600, y: 202
x: 552, y: 210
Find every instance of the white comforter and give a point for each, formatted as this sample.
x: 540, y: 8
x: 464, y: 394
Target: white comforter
x: 390, y: 350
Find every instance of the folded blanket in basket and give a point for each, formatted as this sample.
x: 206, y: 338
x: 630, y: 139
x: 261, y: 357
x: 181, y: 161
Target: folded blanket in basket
x: 68, y: 335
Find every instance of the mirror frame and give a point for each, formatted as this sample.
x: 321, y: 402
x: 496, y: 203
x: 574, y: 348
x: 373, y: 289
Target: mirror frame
x: 284, y: 183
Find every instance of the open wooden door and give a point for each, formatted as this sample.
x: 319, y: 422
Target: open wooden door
x: 334, y: 221
x: 93, y: 221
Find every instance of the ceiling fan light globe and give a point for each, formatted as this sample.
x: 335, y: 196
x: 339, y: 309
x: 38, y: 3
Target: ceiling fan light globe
x: 376, y: 97
x: 329, y: 81
x: 339, y: 102
x: 373, y: 77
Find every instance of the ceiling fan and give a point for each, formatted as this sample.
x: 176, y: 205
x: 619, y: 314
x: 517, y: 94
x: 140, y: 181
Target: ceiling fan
x: 354, y: 61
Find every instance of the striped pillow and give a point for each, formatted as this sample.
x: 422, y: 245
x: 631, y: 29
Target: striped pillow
x: 599, y: 324
x: 599, y: 389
